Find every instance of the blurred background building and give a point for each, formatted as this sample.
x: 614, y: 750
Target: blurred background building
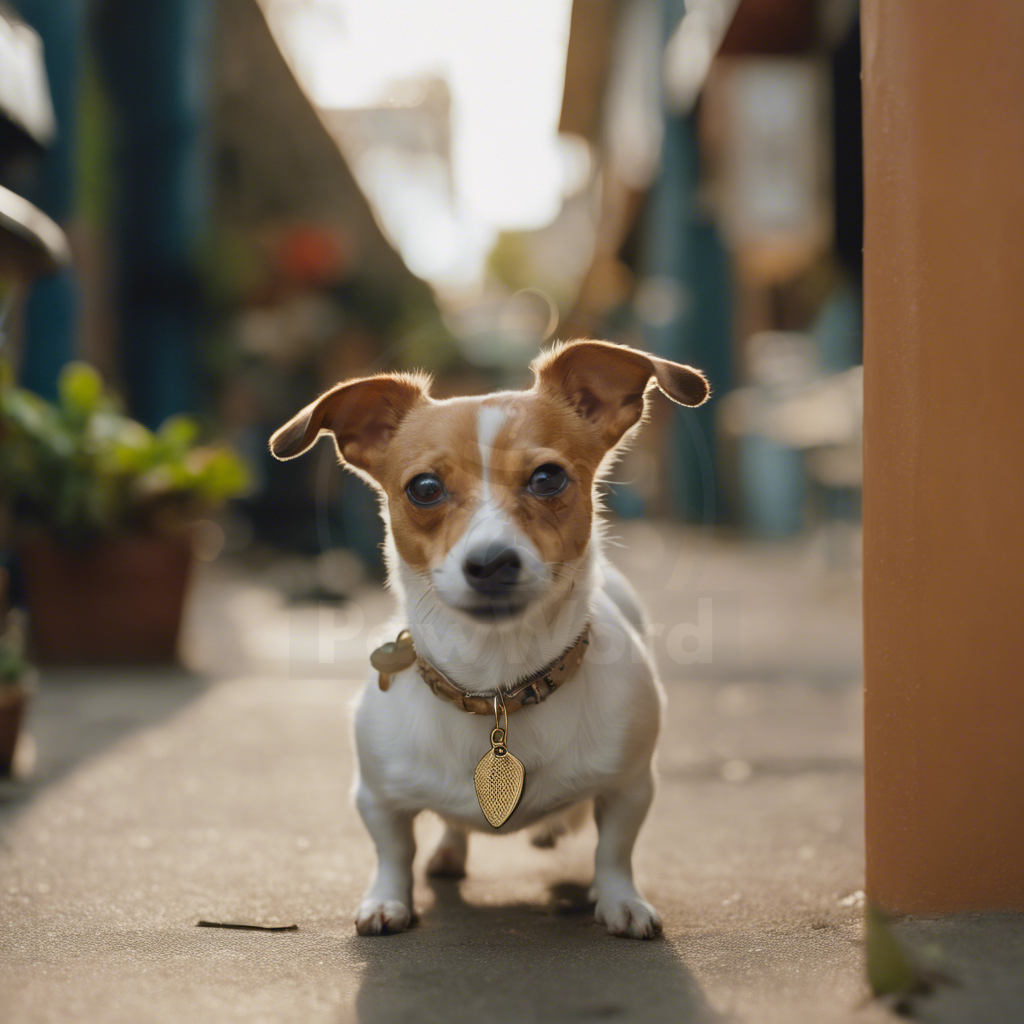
x: 265, y: 197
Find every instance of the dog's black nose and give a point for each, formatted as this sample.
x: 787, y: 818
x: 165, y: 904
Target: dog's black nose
x: 492, y: 570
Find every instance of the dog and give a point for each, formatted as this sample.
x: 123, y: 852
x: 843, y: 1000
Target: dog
x: 521, y: 645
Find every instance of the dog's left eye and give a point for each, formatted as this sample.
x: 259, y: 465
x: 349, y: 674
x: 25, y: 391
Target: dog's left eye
x: 548, y: 480
x: 425, y: 489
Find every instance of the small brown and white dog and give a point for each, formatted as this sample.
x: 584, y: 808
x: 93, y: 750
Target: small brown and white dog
x: 495, y: 558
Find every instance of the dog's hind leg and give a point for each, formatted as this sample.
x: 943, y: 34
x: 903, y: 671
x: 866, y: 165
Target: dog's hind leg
x: 387, y: 905
x: 545, y: 834
x: 449, y: 858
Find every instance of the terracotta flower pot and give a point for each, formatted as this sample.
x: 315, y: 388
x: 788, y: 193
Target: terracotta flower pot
x: 13, y: 698
x: 115, y: 600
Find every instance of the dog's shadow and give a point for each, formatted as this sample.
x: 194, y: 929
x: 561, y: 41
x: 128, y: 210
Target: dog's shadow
x: 544, y: 962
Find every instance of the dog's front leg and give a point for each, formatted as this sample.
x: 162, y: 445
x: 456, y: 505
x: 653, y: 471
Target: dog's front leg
x: 619, y: 814
x: 387, y: 905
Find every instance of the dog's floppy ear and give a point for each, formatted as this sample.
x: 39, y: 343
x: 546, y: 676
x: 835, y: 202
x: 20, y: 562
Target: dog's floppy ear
x: 361, y: 415
x: 606, y: 383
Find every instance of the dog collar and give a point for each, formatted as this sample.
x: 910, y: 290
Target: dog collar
x: 534, y: 689
x: 499, y: 776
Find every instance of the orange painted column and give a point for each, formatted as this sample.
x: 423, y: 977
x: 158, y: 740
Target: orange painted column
x: 944, y: 454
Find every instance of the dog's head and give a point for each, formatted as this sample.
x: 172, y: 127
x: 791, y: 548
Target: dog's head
x: 490, y: 499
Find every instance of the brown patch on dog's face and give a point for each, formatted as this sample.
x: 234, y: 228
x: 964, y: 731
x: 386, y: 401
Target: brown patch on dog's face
x: 490, y: 476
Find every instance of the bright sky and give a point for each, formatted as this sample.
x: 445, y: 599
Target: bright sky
x: 504, y: 61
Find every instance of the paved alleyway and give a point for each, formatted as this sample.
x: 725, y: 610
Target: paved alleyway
x: 167, y: 798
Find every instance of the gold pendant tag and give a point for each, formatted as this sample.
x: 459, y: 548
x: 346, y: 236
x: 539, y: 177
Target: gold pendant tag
x: 499, y: 776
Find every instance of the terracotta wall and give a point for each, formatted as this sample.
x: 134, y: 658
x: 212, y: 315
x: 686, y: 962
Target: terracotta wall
x: 944, y: 453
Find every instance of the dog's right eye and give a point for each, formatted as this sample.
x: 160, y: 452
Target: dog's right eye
x: 425, y: 489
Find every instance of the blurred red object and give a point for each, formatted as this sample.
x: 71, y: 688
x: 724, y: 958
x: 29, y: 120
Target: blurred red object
x: 310, y: 254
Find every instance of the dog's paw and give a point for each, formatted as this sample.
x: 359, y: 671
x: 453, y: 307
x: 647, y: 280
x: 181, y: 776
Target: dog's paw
x: 447, y: 862
x: 629, y: 918
x: 382, y: 917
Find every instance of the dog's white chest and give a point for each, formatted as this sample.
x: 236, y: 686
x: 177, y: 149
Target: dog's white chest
x: 420, y: 752
x: 444, y: 783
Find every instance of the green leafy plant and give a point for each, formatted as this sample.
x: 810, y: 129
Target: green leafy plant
x: 80, y: 468
x: 14, y: 667
x: 896, y: 973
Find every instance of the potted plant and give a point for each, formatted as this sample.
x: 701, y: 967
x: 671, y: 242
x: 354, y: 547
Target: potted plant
x: 101, y: 509
x: 16, y: 683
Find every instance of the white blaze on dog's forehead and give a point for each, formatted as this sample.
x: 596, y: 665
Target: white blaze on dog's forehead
x: 490, y: 523
x: 489, y: 421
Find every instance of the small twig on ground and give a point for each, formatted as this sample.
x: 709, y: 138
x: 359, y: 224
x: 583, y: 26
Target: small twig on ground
x: 249, y: 927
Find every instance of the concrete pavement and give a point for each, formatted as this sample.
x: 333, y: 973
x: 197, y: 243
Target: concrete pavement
x: 166, y: 798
